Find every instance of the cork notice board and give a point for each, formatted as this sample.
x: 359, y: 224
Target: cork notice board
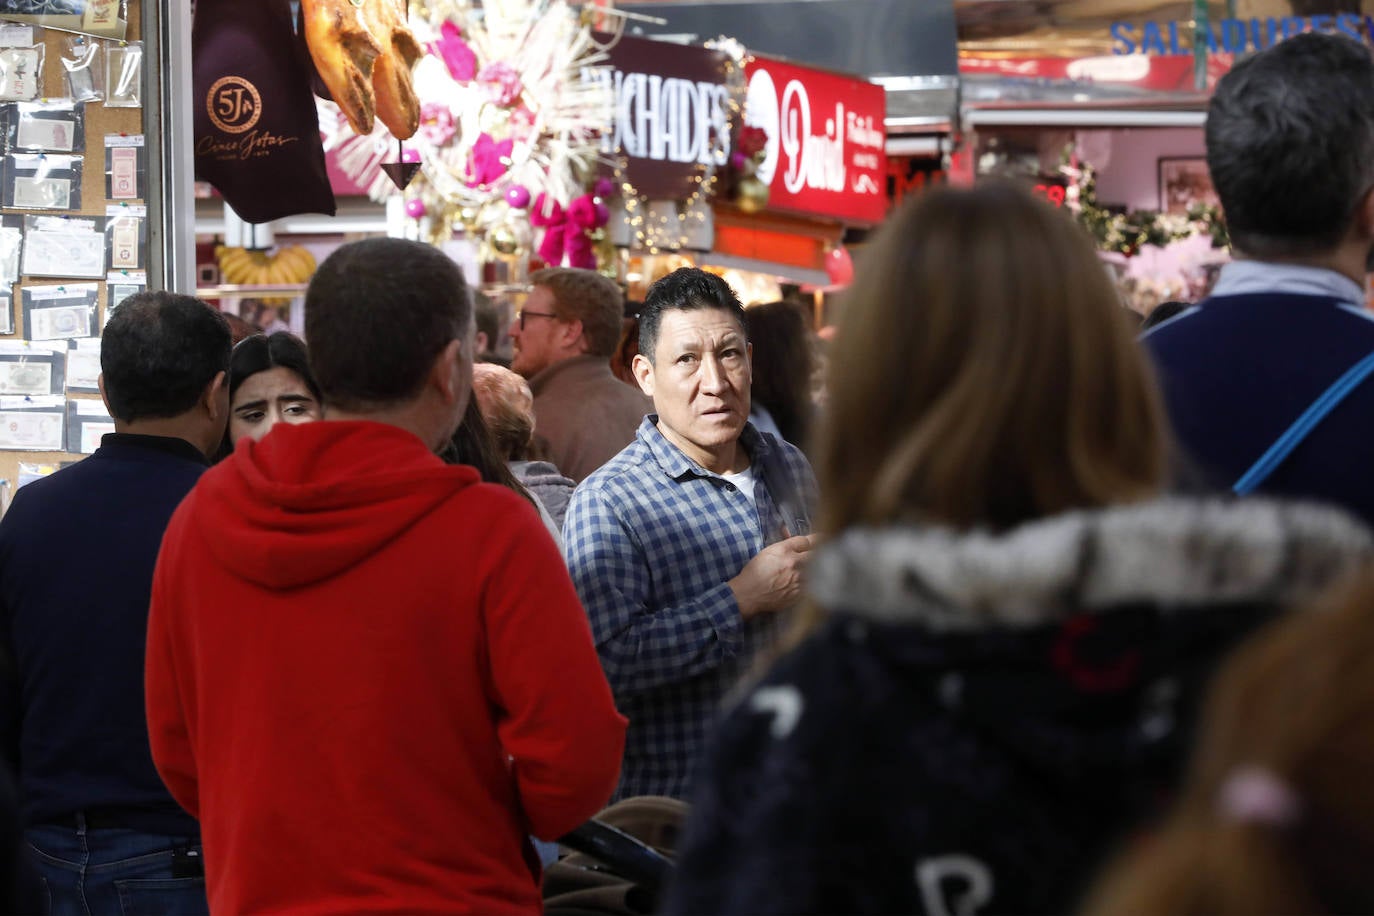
x: 22, y: 379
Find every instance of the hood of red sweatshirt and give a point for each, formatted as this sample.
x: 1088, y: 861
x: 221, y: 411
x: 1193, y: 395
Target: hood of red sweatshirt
x: 309, y: 501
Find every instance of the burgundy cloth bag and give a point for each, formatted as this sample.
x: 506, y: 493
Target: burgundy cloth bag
x: 257, y: 133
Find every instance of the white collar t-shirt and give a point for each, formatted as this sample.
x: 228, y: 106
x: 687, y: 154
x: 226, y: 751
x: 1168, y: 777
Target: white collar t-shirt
x: 744, y: 482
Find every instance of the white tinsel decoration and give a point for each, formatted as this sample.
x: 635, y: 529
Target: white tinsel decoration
x: 545, y: 44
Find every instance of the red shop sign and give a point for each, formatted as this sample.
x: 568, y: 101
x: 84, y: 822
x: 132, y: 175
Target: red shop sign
x: 826, y: 140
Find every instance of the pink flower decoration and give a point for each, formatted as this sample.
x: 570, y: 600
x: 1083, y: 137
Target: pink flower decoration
x: 501, y: 82
x: 436, y: 123
x: 582, y: 212
x: 488, y: 161
x: 455, y: 53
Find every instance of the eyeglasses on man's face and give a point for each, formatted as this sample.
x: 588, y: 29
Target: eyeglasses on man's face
x: 523, y: 314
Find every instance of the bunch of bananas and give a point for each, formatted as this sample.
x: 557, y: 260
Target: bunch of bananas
x: 290, y: 264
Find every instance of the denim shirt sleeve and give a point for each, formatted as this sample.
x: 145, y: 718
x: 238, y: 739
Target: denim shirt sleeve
x: 642, y: 646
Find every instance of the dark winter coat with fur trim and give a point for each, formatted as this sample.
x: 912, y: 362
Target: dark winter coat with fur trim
x: 986, y: 716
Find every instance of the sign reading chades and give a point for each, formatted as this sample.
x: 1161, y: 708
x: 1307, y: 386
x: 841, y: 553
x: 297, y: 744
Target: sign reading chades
x: 826, y: 140
x: 672, y: 114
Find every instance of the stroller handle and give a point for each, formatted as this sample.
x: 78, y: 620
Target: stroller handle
x: 625, y: 855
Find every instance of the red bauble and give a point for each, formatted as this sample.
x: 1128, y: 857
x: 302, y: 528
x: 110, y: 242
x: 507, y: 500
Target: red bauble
x: 839, y: 266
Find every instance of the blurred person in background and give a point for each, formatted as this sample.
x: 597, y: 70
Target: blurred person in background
x: 239, y: 328
x: 489, y: 316
x: 1013, y: 627
x: 784, y: 362
x: 564, y: 337
x: 508, y: 412
x: 1276, y: 816
x: 623, y: 359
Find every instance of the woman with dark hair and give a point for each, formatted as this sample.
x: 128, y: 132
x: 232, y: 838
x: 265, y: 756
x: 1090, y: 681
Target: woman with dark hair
x: 270, y: 382
x: 783, y: 361
x: 1011, y: 625
x: 622, y: 360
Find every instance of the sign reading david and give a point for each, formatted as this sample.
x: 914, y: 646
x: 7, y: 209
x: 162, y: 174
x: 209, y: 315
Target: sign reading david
x: 825, y: 154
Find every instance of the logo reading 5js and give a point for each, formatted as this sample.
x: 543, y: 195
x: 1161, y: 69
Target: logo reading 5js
x: 234, y: 104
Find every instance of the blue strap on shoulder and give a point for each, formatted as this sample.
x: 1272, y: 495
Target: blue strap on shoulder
x: 1294, y: 435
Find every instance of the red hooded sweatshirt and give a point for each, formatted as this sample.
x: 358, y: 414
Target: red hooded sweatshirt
x: 370, y: 678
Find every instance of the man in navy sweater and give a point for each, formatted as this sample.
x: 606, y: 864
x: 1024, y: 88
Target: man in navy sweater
x: 1290, y: 145
x: 77, y: 551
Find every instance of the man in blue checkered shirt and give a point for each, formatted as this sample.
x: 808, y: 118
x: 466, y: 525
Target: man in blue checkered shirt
x: 686, y: 545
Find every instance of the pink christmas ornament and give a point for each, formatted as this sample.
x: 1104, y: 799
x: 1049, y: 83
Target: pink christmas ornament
x: 839, y: 266
x: 518, y: 196
x: 410, y: 155
x: 603, y: 215
x: 604, y: 187
x: 415, y: 208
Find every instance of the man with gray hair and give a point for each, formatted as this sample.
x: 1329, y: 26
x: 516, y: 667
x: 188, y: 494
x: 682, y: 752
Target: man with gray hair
x: 1265, y: 380
x: 564, y: 337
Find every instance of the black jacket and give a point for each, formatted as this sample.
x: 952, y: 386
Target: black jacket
x: 77, y: 551
x: 985, y: 716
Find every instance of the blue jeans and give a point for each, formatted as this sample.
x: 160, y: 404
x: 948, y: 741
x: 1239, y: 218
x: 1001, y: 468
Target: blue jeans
x: 86, y: 872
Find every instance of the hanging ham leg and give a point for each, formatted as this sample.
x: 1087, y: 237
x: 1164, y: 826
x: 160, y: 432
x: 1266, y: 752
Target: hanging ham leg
x: 397, y: 105
x: 345, y: 54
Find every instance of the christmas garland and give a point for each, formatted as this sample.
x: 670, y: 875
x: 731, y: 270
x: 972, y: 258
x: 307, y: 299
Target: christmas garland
x: 1126, y: 233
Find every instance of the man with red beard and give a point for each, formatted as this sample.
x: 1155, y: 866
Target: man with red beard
x: 564, y: 338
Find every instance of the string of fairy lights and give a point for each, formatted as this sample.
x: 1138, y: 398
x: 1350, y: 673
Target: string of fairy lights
x: 673, y: 225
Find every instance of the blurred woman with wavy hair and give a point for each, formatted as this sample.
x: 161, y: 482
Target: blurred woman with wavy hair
x: 1014, y: 623
x: 1277, y: 815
